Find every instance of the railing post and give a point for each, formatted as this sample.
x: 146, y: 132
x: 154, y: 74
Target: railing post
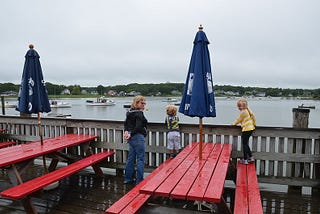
x: 300, y: 120
x: 3, y: 105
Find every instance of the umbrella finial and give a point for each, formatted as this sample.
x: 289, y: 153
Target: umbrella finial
x: 31, y: 46
x: 200, y: 28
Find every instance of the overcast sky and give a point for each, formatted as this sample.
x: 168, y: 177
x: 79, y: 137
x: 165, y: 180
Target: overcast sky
x: 270, y: 43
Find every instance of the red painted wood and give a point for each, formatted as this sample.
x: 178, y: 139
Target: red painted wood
x: 6, y: 144
x: 14, y: 154
x: 199, y: 187
x: 216, y: 184
x: 38, y: 183
x: 185, y: 173
x: 136, y: 204
x: 254, y: 198
x: 247, y: 196
x: 156, y: 181
x: 241, y: 195
x: 134, y: 194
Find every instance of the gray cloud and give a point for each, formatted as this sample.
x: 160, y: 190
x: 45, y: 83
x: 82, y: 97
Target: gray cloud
x: 253, y: 43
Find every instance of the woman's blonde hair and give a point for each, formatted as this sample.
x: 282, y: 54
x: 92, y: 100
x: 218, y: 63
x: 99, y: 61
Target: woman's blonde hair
x: 171, y: 110
x: 136, y: 100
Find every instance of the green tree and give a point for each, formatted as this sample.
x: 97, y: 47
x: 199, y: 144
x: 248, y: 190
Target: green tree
x: 76, y: 90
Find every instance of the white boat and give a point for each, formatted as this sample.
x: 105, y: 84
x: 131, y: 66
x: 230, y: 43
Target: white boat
x: 101, y: 101
x: 9, y: 105
x: 58, y: 104
x: 170, y: 100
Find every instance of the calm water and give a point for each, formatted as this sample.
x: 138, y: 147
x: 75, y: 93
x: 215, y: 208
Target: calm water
x: 269, y: 111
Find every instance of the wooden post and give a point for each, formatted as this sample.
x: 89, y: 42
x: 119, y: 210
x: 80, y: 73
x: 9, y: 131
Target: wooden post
x: 300, y: 120
x: 300, y: 117
x: 3, y: 105
x: 200, y: 143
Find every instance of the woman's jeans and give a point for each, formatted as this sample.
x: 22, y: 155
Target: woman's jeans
x: 137, y: 148
x: 245, y: 144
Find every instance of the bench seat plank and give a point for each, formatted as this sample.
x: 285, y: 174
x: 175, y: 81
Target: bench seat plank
x: 199, y: 187
x: 254, y: 198
x: 241, y: 194
x: 216, y: 184
x: 38, y: 183
x: 247, y: 196
x: 155, y: 182
x: 6, y: 144
x: 133, y: 200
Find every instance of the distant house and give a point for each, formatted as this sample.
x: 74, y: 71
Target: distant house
x: 112, y: 93
x: 83, y: 91
x: 261, y: 94
x: 133, y: 93
x: 66, y: 91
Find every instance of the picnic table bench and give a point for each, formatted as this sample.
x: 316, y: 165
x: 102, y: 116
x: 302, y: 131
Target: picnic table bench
x: 247, y: 196
x: 190, y: 178
x: 134, y: 200
x: 6, y: 144
x: 31, y: 186
x: 24, y: 154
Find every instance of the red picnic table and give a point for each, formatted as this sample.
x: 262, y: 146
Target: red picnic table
x: 190, y: 178
x: 27, y: 151
x: 18, y: 158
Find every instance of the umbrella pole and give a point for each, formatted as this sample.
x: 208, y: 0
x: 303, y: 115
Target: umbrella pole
x: 200, y: 144
x: 41, y: 140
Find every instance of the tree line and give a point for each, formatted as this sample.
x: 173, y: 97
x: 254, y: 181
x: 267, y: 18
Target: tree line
x: 169, y: 89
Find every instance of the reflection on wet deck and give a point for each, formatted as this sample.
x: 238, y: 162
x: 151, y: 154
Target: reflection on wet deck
x: 86, y: 193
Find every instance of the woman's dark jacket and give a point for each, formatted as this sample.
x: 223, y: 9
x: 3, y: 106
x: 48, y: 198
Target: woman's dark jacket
x: 135, y: 122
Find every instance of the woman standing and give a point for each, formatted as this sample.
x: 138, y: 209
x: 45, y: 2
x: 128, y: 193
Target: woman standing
x: 135, y: 128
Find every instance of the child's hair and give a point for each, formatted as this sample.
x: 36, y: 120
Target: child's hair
x: 242, y: 102
x: 171, y: 110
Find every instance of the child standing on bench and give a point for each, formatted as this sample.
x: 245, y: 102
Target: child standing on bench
x: 173, y: 134
x: 248, y: 123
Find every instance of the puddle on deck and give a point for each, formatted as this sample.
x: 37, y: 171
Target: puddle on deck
x: 86, y: 193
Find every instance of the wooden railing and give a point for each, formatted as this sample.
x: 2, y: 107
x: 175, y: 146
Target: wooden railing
x: 284, y: 155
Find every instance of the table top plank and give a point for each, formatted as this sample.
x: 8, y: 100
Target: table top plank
x: 182, y: 171
x: 199, y: 187
x: 22, y: 152
x: 182, y: 188
x: 156, y: 181
x: 216, y: 184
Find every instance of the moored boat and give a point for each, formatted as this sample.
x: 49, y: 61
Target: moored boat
x: 57, y: 104
x: 101, y: 101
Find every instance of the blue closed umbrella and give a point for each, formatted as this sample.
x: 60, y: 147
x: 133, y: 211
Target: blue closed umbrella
x: 33, y: 95
x: 198, y: 96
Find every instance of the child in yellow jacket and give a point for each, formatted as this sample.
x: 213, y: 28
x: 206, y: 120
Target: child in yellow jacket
x: 248, y: 123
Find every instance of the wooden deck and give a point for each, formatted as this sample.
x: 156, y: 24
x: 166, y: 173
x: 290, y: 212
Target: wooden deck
x: 86, y: 193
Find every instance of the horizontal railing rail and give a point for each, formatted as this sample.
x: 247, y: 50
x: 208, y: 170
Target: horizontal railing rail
x: 289, y: 156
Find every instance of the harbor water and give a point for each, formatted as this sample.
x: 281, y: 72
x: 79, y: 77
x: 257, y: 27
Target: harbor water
x: 275, y: 112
